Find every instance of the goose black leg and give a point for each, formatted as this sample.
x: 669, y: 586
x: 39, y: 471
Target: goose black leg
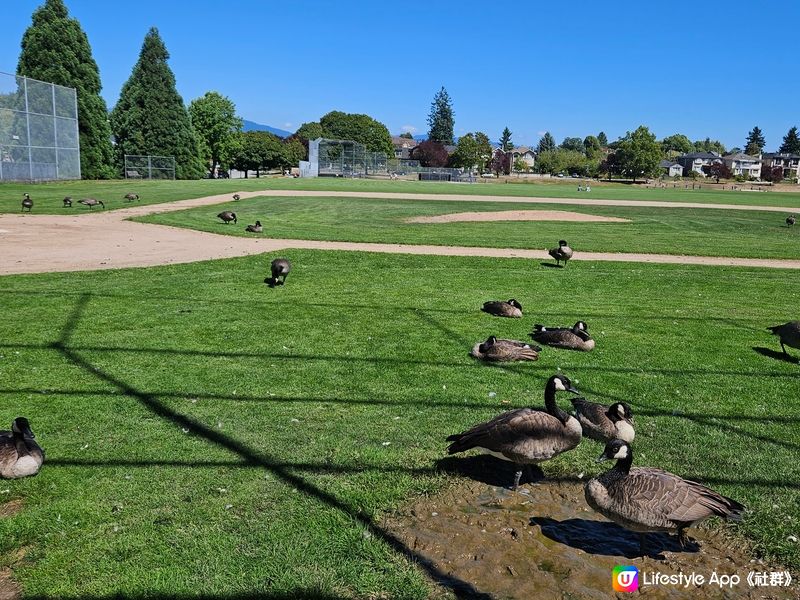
x: 683, y: 539
x: 517, y: 477
x: 783, y: 348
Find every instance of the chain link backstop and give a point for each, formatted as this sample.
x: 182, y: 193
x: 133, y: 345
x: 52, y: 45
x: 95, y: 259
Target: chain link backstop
x: 149, y: 167
x: 38, y: 130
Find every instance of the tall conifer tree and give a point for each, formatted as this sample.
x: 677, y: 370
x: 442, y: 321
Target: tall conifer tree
x: 55, y: 49
x: 150, y: 117
x: 440, y: 119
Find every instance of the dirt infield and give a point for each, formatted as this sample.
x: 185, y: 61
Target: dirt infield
x: 517, y: 215
x: 96, y: 239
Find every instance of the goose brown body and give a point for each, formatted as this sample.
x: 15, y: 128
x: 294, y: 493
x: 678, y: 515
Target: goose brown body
x: 569, y: 338
x: 27, y: 202
x: 131, y: 197
x: 604, y: 423
x: 790, y: 220
x: 501, y: 350
x: 789, y: 334
x: 499, y: 308
x: 562, y: 253
x: 257, y: 228
x: 91, y: 202
x: 645, y: 499
x: 20, y: 455
x: 227, y: 216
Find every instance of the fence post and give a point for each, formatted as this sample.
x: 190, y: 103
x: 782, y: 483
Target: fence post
x: 28, y: 128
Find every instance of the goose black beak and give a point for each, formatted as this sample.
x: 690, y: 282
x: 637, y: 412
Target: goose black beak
x: 573, y: 390
x: 602, y: 458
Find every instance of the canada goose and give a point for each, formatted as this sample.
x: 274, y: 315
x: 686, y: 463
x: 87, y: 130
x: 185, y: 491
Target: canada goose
x: 67, y: 202
x: 91, y: 202
x: 604, y: 423
x: 498, y: 308
x: 790, y: 220
x: 20, y: 456
x: 26, y: 202
x: 789, y: 334
x: 280, y: 268
x: 646, y: 499
x: 575, y: 338
x: 563, y: 252
x: 236, y: 196
x: 131, y: 197
x: 499, y: 350
x: 227, y: 216
x: 526, y: 436
x: 254, y: 228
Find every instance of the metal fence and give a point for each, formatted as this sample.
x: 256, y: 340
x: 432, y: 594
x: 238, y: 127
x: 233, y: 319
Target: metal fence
x: 149, y: 167
x: 38, y: 130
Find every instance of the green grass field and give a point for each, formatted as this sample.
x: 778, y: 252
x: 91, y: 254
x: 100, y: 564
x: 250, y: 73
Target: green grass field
x: 651, y: 230
x: 47, y: 196
x: 208, y: 435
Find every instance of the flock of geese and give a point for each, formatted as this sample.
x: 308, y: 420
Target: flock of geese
x: 640, y: 499
x: 27, y: 201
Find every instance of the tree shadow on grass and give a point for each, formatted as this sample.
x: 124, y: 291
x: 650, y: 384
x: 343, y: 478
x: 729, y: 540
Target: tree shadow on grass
x: 787, y: 358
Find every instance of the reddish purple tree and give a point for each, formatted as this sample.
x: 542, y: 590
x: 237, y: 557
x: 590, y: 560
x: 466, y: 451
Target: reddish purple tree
x: 501, y: 162
x: 772, y: 174
x: 430, y: 154
x: 718, y: 170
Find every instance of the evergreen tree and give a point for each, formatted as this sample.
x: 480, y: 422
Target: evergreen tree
x: 505, y: 140
x: 441, y: 119
x: 603, y: 139
x: 55, y: 49
x: 547, y: 143
x: 791, y: 143
x: 150, y: 117
x: 755, y: 142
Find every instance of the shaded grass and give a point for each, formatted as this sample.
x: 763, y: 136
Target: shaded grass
x: 208, y: 435
x: 47, y: 196
x: 651, y: 230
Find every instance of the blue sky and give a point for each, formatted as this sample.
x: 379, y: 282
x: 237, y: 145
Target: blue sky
x: 699, y: 68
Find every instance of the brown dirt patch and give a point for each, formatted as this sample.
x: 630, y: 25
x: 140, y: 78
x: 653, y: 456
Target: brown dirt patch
x: 9, y: 589
x: 517, y: 215
x: 9, y: 509
x: 544, y: 541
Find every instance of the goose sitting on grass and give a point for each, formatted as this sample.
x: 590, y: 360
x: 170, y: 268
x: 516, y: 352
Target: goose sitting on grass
x: 644, y: 499
x: 526, y: 436
x: 500, y: 350
x: 604, y: 423
x: 20, y: 455
x: 257, y: 228
x: 498, y: 308
x: 569, y: 338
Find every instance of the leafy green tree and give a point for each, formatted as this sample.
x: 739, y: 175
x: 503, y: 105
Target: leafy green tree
x: 791, y: 142
x: 215, y: 121
x: 505, y: 140
x: 293, y: 152
x: 55, y: 49
x: 572, y: 143
x: 603, y: 139
x: 638, y: 154
x: 310, y: 131
x: 407, y: 135
x: 473, y: 151
x: 676, y: 144
x: 520, y: 165
x: 257, y: 150
x: 755, y: 142
x: 591, y: 146
x: 547, y: 142
x: 359, y: 128
x: 441, y: 119
x: 709, y: 145
x: 150, y: 117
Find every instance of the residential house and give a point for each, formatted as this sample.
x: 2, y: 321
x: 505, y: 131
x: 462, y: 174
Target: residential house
x: 790, y: 163
x: 695, y: 161
x: 525, y: 154
x: 403, y: 146
x: 744, y: 164
x: 670, y: 169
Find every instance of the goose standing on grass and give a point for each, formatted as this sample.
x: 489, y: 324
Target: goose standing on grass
x: 91, y: 202
x: 257, y: 228
x: 280, y: 268
x: 789, y: 334
x: 20, y: 456
x: 498, y: 308
x: 526, y: 436
x: 644, y: 499
x: 790, y: 220
x: 500, y: 350
x: 575, y: 338
x: 563, y: 252
x: 236, y: 196
x: 26, y: 202
x: 604, y: 423
x: 131, y: 197
x: 227, y: 216
x: 67, y: 202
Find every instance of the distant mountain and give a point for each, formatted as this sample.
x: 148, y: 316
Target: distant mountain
x: 253, y: 126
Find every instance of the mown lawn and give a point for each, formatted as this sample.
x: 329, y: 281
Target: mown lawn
x: 208, y: 435
x: 47, y: 196
x: 650, y: 230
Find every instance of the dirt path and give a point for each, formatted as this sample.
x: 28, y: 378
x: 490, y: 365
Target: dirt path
x: 94, y: 240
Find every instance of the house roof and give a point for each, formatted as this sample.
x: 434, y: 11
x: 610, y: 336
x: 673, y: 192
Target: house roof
x: 701, y: 155
x: 781, y: 155
x: 742, y: 156
x: 522, y: 150
x: 403, y: 142
x: 667, y: 164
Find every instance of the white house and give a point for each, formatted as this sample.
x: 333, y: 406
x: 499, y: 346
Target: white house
x: 790, y: 163
x: 695, y: 161
x: 744, y: 164
x: 525, y: 154
x: 671, y: 169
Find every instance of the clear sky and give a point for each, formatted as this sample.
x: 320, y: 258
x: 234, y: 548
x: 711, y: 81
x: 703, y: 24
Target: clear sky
x: 573, y: 68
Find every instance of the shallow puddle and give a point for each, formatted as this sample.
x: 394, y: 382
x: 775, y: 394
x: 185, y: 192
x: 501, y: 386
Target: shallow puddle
x: 543, y: 542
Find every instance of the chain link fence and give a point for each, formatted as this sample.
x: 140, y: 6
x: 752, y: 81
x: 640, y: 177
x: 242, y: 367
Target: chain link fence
x: 149, y: 167
x: 38, y: 130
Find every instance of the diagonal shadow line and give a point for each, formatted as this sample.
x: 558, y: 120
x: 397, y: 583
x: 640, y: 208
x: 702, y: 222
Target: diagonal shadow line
x: 461, y: 588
